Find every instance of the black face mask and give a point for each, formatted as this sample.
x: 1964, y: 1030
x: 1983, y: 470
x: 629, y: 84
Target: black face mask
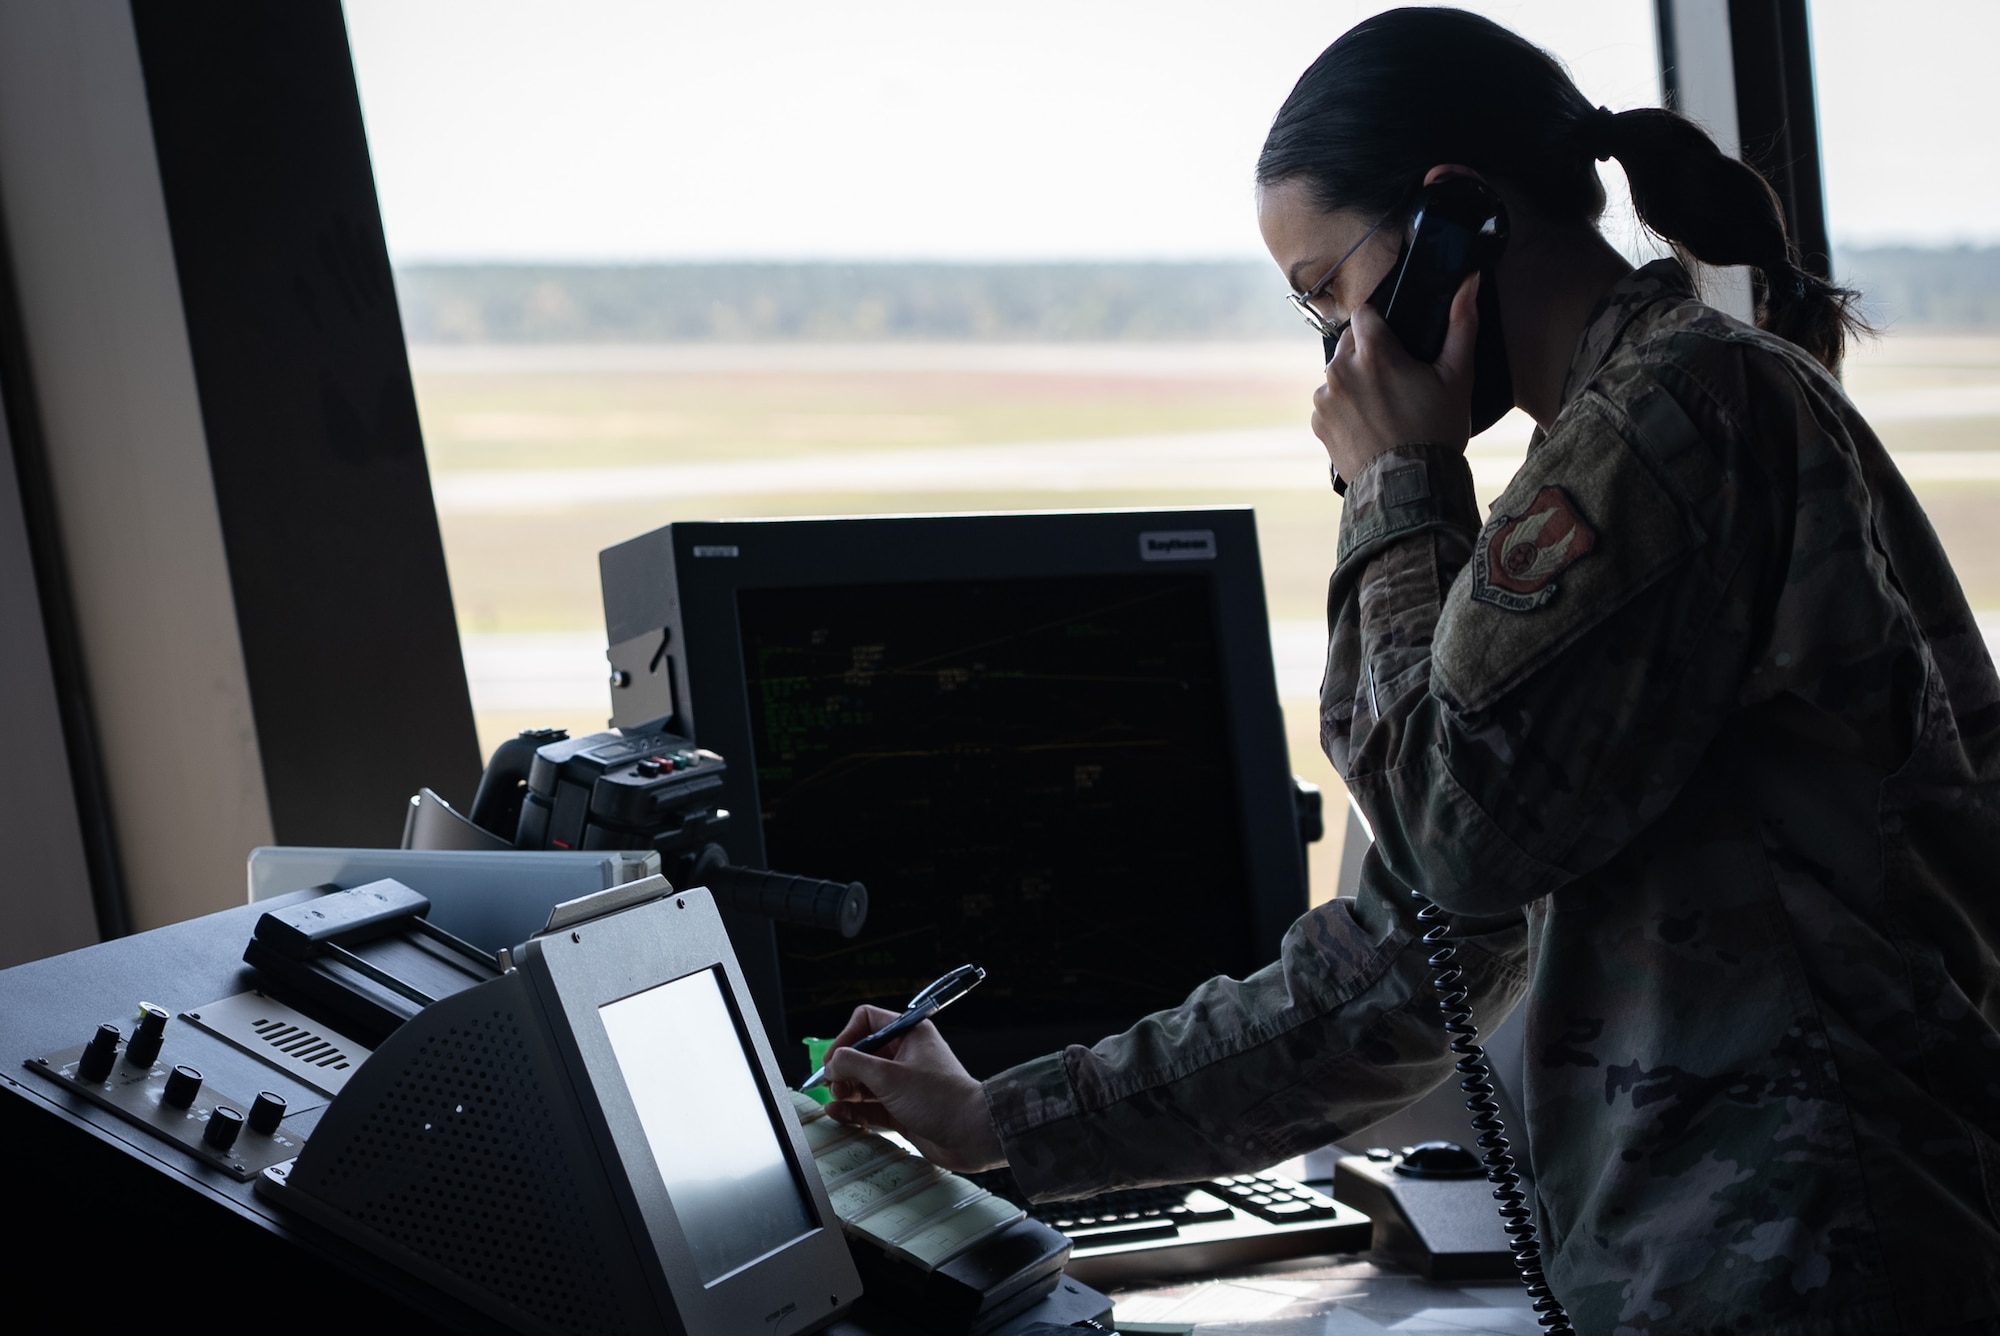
x: 1459, y: 225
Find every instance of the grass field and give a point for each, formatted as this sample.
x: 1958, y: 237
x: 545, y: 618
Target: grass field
x: 541, y: 457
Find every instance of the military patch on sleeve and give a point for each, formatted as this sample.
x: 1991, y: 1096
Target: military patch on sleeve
x: 1517, y: 566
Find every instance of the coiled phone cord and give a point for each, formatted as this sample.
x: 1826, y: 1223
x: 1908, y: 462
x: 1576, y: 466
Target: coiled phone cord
x: 1477, y: 1083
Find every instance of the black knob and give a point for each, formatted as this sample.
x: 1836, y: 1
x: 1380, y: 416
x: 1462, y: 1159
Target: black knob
x: 145, y: 1045
x: 267, y: 1113
x: 98, y: 1055
x: 183, y: 1084
x: 1439, y: 1159
x: 223, y: 1126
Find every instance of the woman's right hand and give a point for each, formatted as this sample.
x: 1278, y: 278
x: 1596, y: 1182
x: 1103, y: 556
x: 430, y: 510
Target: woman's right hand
x: 916, y: 1086
x: 1377, y: 397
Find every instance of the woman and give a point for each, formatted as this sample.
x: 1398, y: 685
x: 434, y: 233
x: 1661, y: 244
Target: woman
x: 1694, y: 735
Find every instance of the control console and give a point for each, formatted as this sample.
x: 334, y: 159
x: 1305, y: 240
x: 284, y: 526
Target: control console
x: 193, y: 1088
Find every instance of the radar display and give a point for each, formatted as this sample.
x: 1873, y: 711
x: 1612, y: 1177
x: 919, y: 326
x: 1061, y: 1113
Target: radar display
x: 1033, y: 775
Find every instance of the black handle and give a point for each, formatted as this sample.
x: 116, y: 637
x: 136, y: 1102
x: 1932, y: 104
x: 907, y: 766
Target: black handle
x: 496, y: 806
x: 840, y: 907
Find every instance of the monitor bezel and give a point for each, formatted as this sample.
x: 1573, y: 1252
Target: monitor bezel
x: 576, y: 971
x: 671, y: 610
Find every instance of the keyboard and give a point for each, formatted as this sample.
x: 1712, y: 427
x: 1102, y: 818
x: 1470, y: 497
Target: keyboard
x: 1139, y: 1234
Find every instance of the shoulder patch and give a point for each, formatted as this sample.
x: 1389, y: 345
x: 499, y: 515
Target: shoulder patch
x: 1516, y: 568
x: 1587, y: 524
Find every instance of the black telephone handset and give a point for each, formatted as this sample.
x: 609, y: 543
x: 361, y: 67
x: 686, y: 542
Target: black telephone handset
x: 1460, y: 225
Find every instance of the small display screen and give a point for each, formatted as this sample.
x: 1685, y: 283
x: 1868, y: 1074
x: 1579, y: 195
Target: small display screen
x: 705, y: 1118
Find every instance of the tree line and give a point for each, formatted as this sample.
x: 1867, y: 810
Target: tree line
x: 1031, y: 302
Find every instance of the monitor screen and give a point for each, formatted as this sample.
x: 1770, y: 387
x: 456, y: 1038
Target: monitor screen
x: 1024, y: 772
x: 705, y: 1119
x: 1048, y: 743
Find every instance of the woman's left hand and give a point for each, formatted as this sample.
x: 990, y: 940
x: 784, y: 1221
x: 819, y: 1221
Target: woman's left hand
x: 1377, y: 397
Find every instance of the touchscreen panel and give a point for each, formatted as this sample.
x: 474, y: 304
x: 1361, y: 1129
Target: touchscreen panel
x: 699, y: 1101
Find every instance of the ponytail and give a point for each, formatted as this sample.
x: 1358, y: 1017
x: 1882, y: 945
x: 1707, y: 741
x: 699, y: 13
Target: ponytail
x: 1723, y: 212
x: 1405, y: 90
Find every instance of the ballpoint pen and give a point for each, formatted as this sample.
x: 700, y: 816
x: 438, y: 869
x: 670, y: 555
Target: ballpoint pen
x: 923, y: 1006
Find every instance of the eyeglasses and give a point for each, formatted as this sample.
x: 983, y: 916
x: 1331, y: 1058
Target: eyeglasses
x: 1302, y: 301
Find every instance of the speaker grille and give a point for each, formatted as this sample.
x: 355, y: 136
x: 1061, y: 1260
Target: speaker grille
x: 461, y: 1161
x: 269, y: 1030
x: 302, y: 1044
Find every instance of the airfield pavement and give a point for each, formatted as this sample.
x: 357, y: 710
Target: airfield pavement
x: 541, y: 456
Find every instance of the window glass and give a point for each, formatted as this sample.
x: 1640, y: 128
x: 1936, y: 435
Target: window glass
x: 1908, y: 124
x: 667, y: 262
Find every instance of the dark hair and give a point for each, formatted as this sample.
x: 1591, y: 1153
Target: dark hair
x: 1411, y: 88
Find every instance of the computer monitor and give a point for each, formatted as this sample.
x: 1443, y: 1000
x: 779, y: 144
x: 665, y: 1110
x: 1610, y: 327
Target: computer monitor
x: 1050, y: 744
x: 595, y: 1140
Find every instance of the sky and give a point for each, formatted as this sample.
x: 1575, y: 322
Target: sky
x: 632, y: 130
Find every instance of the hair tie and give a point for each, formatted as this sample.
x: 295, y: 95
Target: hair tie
x: 1597, y: 132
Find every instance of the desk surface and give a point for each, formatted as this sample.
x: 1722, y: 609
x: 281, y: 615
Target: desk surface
x: 1337, y: 1296
x: 49, y: 1004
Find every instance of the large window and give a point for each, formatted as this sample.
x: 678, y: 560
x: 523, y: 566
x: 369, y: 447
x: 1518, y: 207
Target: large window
x: 1908, y: 124
x: 666, y: 262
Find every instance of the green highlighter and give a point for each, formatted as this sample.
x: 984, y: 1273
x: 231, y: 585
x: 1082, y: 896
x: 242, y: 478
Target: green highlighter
x: 816, y: 1058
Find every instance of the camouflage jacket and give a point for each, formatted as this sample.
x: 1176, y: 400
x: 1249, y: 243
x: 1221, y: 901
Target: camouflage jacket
x: 1696, y: 737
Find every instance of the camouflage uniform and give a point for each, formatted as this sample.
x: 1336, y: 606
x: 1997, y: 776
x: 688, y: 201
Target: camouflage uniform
x: 1698, y: 739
